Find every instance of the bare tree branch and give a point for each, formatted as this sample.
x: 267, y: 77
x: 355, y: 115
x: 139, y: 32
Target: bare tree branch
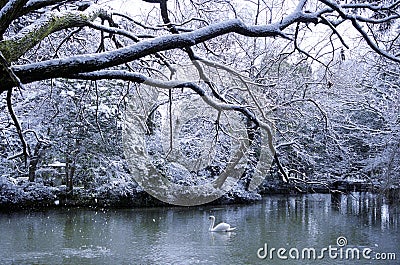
x: 25, y: 147
x: 355, y: 22
x: 139, y: 78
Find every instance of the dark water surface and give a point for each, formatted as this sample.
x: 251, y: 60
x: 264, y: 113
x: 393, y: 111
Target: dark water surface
x: 177, y: 235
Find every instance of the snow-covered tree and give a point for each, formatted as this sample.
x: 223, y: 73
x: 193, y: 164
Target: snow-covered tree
x: 250, y: 63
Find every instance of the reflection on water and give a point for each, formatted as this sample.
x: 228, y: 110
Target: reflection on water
x: 373, y: 210
x: 179, y: 235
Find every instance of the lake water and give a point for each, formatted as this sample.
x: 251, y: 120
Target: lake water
x: 177, y: 235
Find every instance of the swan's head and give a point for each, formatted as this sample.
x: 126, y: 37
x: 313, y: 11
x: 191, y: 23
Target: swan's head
x: 211, y: 218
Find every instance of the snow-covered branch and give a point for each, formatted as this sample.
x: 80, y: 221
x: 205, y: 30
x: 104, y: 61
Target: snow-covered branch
x: 51, y: 22
x: 356, y: 20
x: 92, y: 62
x: 9, y: 12
x: 54, y: 21
x: 174, y: 84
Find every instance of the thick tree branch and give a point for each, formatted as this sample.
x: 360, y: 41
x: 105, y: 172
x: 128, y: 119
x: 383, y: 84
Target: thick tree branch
x: 19, y: 44
x: 189, y: 50
x: 33, y: 5
x: 9, y: 12
x: 92, y: 62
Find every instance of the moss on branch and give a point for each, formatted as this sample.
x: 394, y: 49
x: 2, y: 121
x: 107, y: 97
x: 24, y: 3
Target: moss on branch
x: 30, y: 36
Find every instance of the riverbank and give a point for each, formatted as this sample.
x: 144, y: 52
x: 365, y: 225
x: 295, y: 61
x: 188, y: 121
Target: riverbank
x: 31, y: 195
x: 21, y: 194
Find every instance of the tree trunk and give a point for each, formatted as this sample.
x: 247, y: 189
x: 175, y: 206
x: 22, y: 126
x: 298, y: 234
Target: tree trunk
x: 69, y: 173
x: 34, y: 161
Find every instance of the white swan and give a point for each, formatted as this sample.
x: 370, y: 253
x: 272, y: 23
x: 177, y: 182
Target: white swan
x: 221, y: 227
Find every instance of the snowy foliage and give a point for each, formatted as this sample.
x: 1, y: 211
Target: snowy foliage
x: 212, y: 98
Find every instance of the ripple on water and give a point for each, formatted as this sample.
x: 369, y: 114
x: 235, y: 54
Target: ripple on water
x: 88, y: 252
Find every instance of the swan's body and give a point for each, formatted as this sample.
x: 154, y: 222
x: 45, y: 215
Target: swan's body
x: 221, y: 227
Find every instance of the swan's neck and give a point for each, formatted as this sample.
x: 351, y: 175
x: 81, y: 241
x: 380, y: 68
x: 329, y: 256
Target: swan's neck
x: 212, y: 224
